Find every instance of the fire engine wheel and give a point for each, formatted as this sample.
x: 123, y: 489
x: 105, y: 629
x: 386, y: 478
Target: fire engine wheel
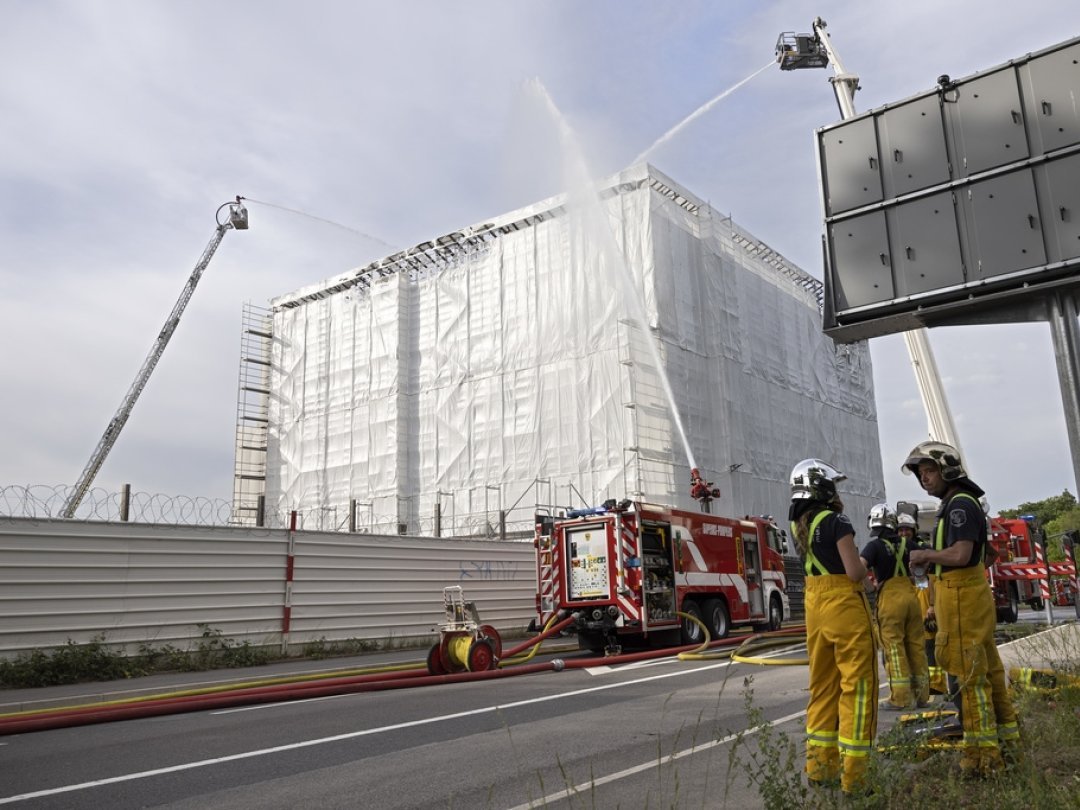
x: 481, y: 655
x: 776, y: 616
x: 717, y: 618
x: 434, y: 661
x: 489, y: 632
x: 690, y: 631
x: 1038, y: 604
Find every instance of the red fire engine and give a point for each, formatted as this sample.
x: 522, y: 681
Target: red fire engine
x: 626, y: 570
x: 1019, y: 574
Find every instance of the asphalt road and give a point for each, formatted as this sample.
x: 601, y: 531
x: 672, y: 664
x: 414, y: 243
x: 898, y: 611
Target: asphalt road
x: 656, y: 734
x: 664, y: 733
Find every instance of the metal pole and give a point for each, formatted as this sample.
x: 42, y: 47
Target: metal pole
x: 260, y: 511
x: 125, y: 502
x: 1074, y: 581
x: 1066, y: 336
x: 438, y: 518
x: 352, y: 515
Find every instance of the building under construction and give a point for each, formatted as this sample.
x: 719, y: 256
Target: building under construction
x: 456, y: 387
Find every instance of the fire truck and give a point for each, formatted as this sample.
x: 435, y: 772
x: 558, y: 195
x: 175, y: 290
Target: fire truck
x: 1016, y: 574
x: 626, y: 571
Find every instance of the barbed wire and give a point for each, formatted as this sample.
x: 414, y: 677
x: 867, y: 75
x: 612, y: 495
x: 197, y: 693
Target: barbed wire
x: 43, y: 501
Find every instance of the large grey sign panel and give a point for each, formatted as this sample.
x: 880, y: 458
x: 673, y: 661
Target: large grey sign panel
x: 959, y: 205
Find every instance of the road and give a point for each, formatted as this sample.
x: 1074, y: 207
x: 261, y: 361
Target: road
x: 656, y: 734
x: 663, y: 733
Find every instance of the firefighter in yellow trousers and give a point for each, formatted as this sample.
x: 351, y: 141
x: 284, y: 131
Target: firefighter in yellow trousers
x: 966, y: 616
x: 841, y: 716
x: 900, y: 621
x: 906, y: 527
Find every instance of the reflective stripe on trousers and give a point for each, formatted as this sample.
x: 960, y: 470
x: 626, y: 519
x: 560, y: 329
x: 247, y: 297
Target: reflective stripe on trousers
x: 841, y: 717
x: 965, y: 648
x: 902, y: 633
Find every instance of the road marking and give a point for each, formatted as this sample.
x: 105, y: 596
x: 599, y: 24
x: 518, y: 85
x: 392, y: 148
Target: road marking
x: 187, y: 766
x: 593, y: 783
x: 279, y: 705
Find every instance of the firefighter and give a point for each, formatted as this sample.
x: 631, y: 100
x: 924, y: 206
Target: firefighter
x: 841, y: 716
x: 964, y: 606
x: 906, y: 528
x: 900, y: 621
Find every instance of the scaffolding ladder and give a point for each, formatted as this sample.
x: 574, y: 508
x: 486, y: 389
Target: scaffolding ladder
x: 252, y: 417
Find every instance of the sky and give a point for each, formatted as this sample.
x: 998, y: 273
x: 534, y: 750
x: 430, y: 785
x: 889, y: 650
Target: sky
x: 359, y: 128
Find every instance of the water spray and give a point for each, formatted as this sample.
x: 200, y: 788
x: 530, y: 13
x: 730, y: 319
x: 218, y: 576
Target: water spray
x: 700, y: 111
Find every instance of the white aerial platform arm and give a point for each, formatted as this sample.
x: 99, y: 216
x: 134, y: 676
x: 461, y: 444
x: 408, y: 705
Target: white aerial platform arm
x: 238, y: 219
x: 795, y: 51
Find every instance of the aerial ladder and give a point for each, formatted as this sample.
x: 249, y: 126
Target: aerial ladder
x: 799, y: 51
x: 236, y: 218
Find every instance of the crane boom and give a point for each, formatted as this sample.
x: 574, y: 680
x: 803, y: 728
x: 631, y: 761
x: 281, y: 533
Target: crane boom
x: 794, y: 52
x: 237, y: 219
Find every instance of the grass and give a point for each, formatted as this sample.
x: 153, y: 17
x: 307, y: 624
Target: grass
x: 97, y: 661
x: 904, y: 773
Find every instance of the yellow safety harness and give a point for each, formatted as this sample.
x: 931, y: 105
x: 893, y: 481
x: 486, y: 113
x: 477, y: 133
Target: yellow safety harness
x: 812, y: 566
x: 898, y: 569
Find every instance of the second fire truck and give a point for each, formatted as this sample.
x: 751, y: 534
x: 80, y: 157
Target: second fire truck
x: 627, y: 570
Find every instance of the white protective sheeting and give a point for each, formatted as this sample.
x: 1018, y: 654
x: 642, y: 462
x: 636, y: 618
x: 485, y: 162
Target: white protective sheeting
x: 465, y: 369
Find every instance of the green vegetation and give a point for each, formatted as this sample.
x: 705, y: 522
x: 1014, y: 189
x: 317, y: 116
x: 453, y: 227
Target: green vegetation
x: 321, y: 648
x: 96, y: 661
x: 904, y: 772
x: 1056, y: 515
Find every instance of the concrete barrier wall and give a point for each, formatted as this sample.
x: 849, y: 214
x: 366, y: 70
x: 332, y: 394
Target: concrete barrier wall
x: 139, y: 584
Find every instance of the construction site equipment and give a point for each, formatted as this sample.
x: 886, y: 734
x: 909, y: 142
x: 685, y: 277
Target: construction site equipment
x: 237, y: 218
x: 626, y: 570
x: 815, y: 50
x: 464, y: 643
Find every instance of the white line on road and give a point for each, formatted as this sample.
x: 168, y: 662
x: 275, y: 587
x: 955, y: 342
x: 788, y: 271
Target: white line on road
x: 187, y: 766
x: 593, y: 783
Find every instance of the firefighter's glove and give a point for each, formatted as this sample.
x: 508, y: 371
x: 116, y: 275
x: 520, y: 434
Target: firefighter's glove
x: 930, y: 622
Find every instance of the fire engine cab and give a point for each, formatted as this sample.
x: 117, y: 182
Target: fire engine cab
x: 626, y: 571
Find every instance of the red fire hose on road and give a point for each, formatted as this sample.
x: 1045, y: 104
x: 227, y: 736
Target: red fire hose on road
x: 154, y: 706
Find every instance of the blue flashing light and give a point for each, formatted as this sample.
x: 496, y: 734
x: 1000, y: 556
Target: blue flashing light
x: 592, y: 510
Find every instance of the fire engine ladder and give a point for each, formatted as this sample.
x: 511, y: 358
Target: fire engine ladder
x: 545, y: 575
x: 252, y: 417
x: 796, y: 52
x: 237, y: 219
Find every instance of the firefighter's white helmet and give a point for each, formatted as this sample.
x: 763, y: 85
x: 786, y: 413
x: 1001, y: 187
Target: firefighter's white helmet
x: 906, y: 521
x: 945, y: 456
x: 816, y: 480
x: 881, y: 516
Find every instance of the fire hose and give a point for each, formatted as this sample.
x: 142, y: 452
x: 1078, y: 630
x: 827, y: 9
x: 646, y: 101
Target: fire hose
x: 309, y: 686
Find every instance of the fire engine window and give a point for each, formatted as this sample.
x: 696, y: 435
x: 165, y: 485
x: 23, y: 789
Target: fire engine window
x: 655, y: 538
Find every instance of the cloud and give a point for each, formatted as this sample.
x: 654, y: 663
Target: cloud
x: 127, y: 123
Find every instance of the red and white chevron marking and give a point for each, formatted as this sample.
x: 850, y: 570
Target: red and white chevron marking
x: 1058, y: 569
x: 628, y: 547
x: 1044, y: 582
